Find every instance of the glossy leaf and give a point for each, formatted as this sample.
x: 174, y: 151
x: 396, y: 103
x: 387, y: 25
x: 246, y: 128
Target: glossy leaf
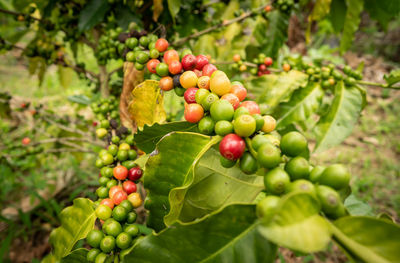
x: 146, y: 106
x: 76, y: 256
x: 276, y: 34
x: 356, y: 207
x: 76, y: 222
x: 211, y: 188
x: 174, y: 6
x: 81, y: 99
x: 353, y: 18
x: 303, y: 103
x: 383, y: 11
x: 339, y: 121
x: 228, y: 236
x: 393, y: 77
x: 320, y: 10
x: 169, y: 166
x: 368, y: 239
x: 92, y: 14
x: 337, y: 14
x: 147, y: 138
x: 297, y: 224
x: 275, y: 88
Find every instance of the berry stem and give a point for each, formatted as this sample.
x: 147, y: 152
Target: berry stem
x: 252, y: 151
x: 381, y: 85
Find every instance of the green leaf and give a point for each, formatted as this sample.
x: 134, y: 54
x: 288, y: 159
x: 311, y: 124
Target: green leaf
x: 276, y: 34
x: 81, y: 99
x: 356, y: 207
x: 76, y: 256
x: 169, y: 166
x: 297, y: 224
x: 320, y: 10
x: 337, y: 14
x: 368, y: 239
x: 174, y: 6
x: 211, y: 188
x: 383, y: 11
x: 303, y: 103
x: 146, y: 106
x: 229, y: 236
x: 65, y: 76
x: 147, y: 138
x: 50, y: 258
x: 393, y: 77
x: 353, y: 18
x: 92, y: 14
x: 76, y: 222
x: 273, y: 89
x: 339, y: 121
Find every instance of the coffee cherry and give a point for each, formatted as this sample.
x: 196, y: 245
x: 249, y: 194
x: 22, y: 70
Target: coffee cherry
x: 135, y: 173
x: 293, y: 144
x: 201, y: 62
x: 203, y: 82
x: 27, y: 140
x: 259, y: 121
x: 209, y: 69
x: 103, y: 212
x: 286, y: 67
x: 152, y: 64
x: 209, y: 100
x: 162, y: 69
x: 269, y: 124
x: 190, y: 95
x: 188, y: 79
x: 244, y: 125
x: 226, y: 163
x: 276, y: 181
x: 161, y: 45
x: 220, y: 84
x: 120, y: 172
x: 108, y: 202
x: 232, y: 147
x: 248, y: 164
x: 236, y: 57
x: 118, y: 197
x: 223, y: 127
x: 238, y: 90
x: 268, y: 61
x: 171, y: 55
x: 251, y: 106
x: 129, y: 187
x: 200, y: 95
x: 189, y: 62
x: 222, y: 110
x: 175, y: 67
x: 206, y: 125
x: 193, y: 113
x: 166, y: 83
x: 232, y: 98
x: 135, y: 199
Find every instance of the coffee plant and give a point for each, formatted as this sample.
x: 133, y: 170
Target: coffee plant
x: 208, y: 160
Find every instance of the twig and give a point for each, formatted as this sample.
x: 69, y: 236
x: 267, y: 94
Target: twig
x: 223, y: 24
x: 63, y: 127
x: 114, y: 71
x: 381, y: 85
x: 9, y: 12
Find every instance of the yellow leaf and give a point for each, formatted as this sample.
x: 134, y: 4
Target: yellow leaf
x: 146, y: 106
x: 157, y: 9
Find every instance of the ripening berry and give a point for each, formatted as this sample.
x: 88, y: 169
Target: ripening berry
x: 171, y: 55
x: 268, y: 61
x: 161, y: 45
x: 203, y: 82
x: 188, y: 79
x: 236, y: 57
x: 152, y: 65
x: 232, y: 98
x: 251, y: 106
x: 120, y: 172
x: 193, y: 113
x: 232, y: 147
x: 190, y: 95
x: 286, y: 67
x: 243, y: 68
x: 189, y: 62
x: 175, y: 67
x: 26, y: 141
x: 220, y: 83
x: 209, y: 69
x: 268, y: 8
x: 269, y: 124
x: 201, y: 62
x: 166, y: 83
x: 239, y: 90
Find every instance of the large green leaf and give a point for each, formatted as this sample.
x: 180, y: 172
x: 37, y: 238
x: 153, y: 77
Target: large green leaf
x: 297, y: 224
x: 276, y: 34
x: 147, y: 139
x: 320, y: 10
x: 174, y: 6
x: 383, y: 11
x: 337, y: 14
x: 92, y: 14
x: 353, y: 18
x: 339, y: 121
x: 211, y: 188
x: 229, y: 236
x: 275, y: 88
x: 76, y: 222
x: 367, y: 239
x: 169, y: 166
x: 303, y: 103
x: 76, y: 256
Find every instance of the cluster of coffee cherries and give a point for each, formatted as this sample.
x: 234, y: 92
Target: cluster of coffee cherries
x: 109, y: 46
x: 284, y: 6
x: 118, y: 192
x: 262, y: 63
x: 106, y: 110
